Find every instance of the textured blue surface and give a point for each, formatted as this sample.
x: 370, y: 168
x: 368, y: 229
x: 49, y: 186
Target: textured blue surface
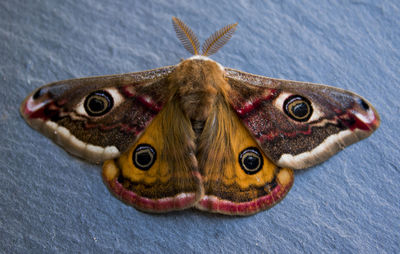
x: 52, y: 202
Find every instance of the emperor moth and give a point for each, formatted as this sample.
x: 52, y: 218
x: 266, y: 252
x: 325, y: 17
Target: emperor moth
x: 197, y: 134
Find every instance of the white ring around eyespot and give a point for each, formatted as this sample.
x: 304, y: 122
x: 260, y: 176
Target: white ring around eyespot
x: 280, y: 100
x: 115, y: 94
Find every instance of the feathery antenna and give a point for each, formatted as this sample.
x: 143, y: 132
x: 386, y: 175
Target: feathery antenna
x: 210, y: 46
x: 186, y: 36
x: 218, y: 39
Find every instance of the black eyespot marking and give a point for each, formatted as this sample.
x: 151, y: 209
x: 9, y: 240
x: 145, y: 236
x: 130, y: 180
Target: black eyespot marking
x: 38, y: 94
x: 298, y: 108
x: 251, y: 160
x: 144, y: 156
x: 98, y: 103
x: 363, y: 104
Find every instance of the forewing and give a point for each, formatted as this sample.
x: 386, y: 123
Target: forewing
x: 60, y: 111
x: 338, y: 118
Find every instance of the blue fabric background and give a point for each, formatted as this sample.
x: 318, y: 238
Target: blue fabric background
x: 51, y: 202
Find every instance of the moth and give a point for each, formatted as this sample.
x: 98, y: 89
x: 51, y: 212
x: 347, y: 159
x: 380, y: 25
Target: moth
x: 197, y: 134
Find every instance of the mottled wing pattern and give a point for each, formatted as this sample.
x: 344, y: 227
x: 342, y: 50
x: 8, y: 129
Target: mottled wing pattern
x: 339, y: 118
x: 238, y: 179
x: 159, y: 172
x: 58, y: 111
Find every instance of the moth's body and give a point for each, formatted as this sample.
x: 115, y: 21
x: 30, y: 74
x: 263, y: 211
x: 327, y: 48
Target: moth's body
x: 198, y: 134
x: 198, y: 83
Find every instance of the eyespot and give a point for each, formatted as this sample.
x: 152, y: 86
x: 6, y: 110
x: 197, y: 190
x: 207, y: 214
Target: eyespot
x: 37, y: 94
x: 363, y: 104
x: 98, y: 103
x: 144, y: 156
x: 251, y: 160
x: 298, y: 108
